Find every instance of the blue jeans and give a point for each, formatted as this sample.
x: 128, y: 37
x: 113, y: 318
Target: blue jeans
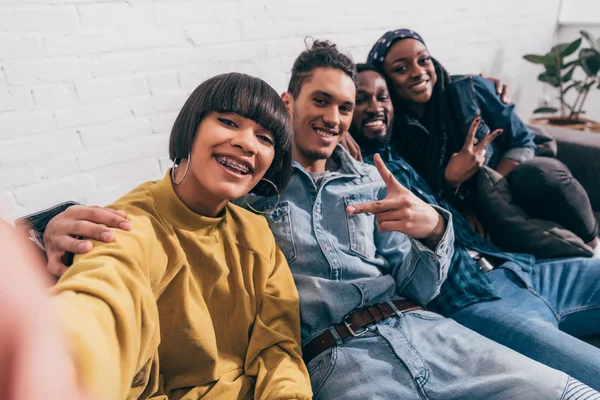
x: 541, y: 314
x: 422, y: 355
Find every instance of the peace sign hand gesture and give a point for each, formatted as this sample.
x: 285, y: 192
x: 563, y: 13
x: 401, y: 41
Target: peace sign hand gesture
x: 466, y: 162
x: 402, y: 211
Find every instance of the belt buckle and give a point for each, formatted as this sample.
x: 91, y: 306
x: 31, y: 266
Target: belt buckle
x: 355, y: 334
x: 484, y: 264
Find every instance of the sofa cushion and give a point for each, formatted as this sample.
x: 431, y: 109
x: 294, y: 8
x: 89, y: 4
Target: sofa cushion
x: 511, y: 228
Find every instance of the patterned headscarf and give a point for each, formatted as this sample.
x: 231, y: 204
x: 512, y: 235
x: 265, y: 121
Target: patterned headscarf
x: 381, y: 47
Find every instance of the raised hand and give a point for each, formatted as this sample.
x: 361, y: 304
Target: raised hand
x: 502, y: 89
x: 402, y: 211
x: 65, y: 232
x: 470, y: 158
x: 35, y: 361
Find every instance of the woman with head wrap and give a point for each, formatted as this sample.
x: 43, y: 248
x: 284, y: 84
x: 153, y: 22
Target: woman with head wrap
x: 447, y: 127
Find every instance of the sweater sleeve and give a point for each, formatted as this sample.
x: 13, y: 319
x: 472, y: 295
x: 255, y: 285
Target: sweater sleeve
x: 274, y: 352
x: 107, y: 307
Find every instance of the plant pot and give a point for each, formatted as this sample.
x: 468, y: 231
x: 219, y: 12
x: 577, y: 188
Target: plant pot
x: 579, y: 124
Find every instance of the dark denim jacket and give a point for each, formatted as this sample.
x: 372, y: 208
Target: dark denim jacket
x: 476, y: 96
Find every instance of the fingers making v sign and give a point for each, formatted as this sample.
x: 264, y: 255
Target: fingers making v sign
x: 402, y: 211
x: 470, y: 158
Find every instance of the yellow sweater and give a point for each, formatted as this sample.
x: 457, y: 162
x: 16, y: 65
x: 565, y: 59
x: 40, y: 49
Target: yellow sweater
x: 184, y: 307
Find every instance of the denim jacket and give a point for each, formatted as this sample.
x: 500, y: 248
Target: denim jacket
x: 475, y: 96
x: 341, y: 262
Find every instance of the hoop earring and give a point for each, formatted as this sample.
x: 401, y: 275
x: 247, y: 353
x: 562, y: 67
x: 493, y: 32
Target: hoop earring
x: 176, y: 165
x: 270, y: 209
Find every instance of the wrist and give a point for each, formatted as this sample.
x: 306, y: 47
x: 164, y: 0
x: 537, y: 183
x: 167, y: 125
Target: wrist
x: 453, y: 183
x: 437, y: 233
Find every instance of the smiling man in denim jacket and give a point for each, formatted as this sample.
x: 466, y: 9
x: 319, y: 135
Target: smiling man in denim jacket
x: 366, y: 254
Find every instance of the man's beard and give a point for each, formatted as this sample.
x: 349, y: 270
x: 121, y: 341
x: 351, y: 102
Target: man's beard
x: 370, y: 145
x: 313, y: 155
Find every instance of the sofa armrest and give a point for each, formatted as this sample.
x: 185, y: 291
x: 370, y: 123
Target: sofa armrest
x: 580, y: 151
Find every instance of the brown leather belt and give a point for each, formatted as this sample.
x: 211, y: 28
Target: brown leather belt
x: 355, y: 324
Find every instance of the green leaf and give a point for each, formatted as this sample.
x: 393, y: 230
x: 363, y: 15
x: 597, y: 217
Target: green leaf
x: 559, y: 48
x: 568, y: 75
x: 546, y: 110
x: 538, y: 59
x: 566, y: 49
x: 551, y: 79
x: 571, y: 63
x: 572, y: 48
x: 591, y: 40
x: 552, y: 71
x: 557, y: 60
x: 590, y: 61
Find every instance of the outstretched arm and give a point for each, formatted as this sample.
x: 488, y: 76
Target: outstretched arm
x: 108, y: 310
x: 418, y: 241
x: 35, y: 361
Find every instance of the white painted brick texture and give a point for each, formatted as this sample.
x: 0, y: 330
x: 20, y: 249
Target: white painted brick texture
x: 89, y: 89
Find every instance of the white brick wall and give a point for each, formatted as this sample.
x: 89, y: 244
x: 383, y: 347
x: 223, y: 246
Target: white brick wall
x: 577, y: 15
x: 89, y: 89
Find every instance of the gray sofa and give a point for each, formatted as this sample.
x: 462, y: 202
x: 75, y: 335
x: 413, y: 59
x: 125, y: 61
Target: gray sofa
x: 580, y: 151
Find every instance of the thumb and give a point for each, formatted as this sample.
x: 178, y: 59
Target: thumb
x: 390, y: 181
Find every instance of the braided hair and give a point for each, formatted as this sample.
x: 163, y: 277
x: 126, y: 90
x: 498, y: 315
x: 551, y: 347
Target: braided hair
x: 428, y: 154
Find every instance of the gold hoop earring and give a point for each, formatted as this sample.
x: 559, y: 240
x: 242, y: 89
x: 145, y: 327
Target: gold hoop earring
x: 176, y: 165
x: 270, y: 209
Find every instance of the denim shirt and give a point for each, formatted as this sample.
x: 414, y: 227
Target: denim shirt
x: 340, y: 262
x: 466, y: 283
x: 474, y: 96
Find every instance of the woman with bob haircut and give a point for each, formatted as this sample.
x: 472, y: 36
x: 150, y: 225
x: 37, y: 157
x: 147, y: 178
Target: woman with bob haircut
x: 447, y: 127
x: 196, y: 301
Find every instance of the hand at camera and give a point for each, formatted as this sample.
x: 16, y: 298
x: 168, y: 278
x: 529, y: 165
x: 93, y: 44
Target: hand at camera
x: 402, y: 211
x: 501, y: 88
x: 65, y: 231
x: 464, y: 164
x: 34, y: 359
x: 353, y: 148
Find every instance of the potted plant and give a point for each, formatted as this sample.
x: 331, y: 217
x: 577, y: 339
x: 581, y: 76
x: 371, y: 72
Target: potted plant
x: 561, y: 64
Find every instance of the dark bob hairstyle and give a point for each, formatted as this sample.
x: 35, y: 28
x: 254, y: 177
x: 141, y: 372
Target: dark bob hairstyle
x: 248, y: 97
